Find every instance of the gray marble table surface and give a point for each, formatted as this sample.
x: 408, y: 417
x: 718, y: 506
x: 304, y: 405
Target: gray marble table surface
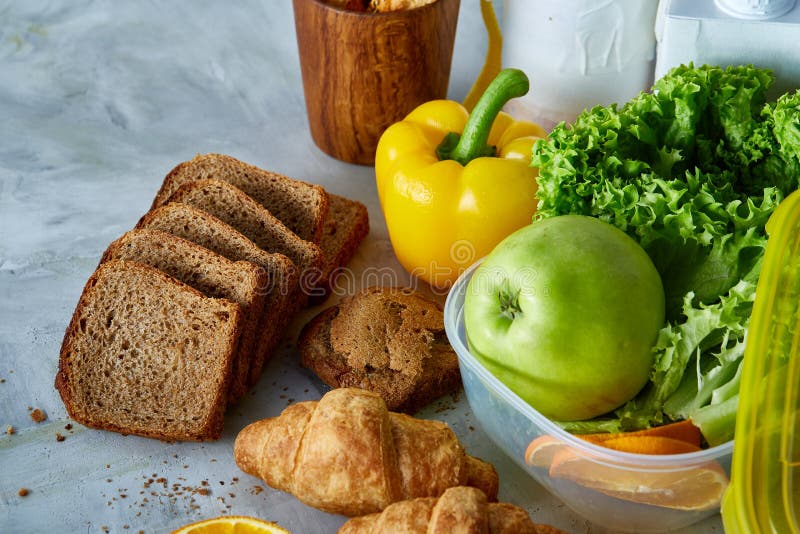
x: 98, y: 101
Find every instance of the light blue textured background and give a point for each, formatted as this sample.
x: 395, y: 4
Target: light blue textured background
x: 98, y: 101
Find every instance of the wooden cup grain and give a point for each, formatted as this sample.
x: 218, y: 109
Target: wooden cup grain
x: 364, y: 71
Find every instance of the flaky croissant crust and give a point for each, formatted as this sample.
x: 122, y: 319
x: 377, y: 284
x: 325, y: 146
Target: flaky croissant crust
x: 347, y: 454
x: 459, y: 509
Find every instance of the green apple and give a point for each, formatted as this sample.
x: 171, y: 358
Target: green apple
x: 565, y: 312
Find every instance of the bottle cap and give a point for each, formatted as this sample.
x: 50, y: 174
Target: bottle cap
x: 756, y: 9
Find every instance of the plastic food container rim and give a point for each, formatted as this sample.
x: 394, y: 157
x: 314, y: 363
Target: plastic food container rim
x: 453, y: 317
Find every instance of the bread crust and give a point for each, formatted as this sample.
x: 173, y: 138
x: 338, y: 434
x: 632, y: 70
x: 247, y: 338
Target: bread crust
x: 346, y: 226
x: 280, y: 308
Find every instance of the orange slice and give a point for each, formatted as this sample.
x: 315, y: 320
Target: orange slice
x: 695, y: 488
x: 541, y: 451
x: 682, y: 430
x: 649, y: 445
x: 235, y: 524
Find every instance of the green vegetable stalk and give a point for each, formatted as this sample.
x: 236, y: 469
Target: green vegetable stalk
x: 471, y: 144
x: 692, y: 170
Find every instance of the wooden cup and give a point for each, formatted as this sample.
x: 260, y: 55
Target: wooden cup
x: 364, y: 71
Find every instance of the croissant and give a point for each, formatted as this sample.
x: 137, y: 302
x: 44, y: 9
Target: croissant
x: 347, y: 454
x: 459, y: 509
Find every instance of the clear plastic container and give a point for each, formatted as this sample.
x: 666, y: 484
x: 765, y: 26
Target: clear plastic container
x: 620, y: 491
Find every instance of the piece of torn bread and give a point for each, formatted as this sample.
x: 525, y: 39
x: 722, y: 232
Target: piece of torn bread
x: 387, y: 340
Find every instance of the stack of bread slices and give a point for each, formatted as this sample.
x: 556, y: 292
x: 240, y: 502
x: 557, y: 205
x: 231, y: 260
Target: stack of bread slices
x: 184, y: 310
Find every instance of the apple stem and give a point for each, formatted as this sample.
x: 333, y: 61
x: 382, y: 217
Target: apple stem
x: 509, y: 302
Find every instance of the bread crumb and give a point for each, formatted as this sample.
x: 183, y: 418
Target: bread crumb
x: 10, y: 430
x: 37, y: 415
x: 60, y: 437
x: 23, y: 492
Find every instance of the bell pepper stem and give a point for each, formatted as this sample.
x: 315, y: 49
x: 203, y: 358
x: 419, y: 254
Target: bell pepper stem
x: 509, y: 83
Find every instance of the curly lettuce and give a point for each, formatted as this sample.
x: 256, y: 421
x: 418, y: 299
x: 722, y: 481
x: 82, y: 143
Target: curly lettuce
x: 692, y: 171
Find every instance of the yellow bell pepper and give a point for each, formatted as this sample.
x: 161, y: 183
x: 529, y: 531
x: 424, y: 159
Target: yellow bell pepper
x: 449, y: 197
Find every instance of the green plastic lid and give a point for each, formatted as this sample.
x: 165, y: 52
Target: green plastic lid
x: 764, y: 494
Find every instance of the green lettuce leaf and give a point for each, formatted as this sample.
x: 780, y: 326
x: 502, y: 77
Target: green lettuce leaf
x: 717, y: 422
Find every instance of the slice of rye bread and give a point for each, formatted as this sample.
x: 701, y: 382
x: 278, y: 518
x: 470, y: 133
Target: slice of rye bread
x: 344, y: 224
x: 300, y: 205
x: 146, y: 354
x: 345, y: 227
x: 284, y: 298
x: 386, y: 340
x: 232, y: 206
x: 242, y: 282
